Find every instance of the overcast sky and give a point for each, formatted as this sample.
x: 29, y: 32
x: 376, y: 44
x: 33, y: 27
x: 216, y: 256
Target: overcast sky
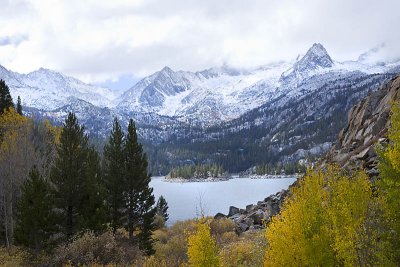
x: 100, y: 41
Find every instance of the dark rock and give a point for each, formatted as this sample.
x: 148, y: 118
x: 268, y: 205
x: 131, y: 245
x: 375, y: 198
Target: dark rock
x: 249, y: 208
x: 248, y: 221
x: 255, y: 227
x: 243, y: 227
x: 232, y: 211
x: 219, y: 216
x: 257, y: 216
x: 235, y: 217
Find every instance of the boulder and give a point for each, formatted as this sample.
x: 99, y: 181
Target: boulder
x: 233, y: 210
x: 235, y: 217
x: 257, y: 216
x: 242, y: 227
x: 249, y: 208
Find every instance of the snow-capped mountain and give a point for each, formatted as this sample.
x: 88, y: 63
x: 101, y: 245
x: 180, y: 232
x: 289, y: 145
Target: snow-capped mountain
x: 209, y: 96
x: 203, y: 98
x: 222, y: 94
x: 281, y: 111
x: 47, y: 90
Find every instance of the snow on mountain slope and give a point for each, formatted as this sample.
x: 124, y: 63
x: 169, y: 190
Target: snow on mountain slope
x: 207, y: 97
x: 47, y: 90
x: 211, y: 95
x: 222, y: 94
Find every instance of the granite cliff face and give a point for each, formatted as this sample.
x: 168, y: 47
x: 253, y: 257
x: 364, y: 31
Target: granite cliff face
x: 368, y: 123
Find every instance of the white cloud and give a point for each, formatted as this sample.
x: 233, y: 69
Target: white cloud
x: 101, y: 40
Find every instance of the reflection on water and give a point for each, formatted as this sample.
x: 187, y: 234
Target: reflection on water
x: 186, y: 200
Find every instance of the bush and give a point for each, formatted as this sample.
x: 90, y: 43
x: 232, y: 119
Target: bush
x: 246, y: 250
x: 242, y: 253
x: 89, y: 248
x: 221, y: 226
x: 171, y: 243
x: 13, y: 257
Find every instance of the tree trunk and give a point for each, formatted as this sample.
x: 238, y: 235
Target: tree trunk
x: 5, y: 222
x: 69, y: 221
x: 130, y: 216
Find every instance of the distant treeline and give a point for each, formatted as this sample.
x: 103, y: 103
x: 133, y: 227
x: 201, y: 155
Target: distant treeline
x: 281, y: 168
x: 198, y: 171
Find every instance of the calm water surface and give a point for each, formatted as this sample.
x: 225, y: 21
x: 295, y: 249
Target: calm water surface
x: 186, y: 200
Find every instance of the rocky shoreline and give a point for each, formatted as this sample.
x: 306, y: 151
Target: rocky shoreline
x: 255, y: 216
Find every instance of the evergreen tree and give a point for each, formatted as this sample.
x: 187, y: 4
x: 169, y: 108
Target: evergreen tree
x: 19, y: 106
x: 114, y: 175
x: 5, y: 97
x: 140, y: 199
x: 162, y: 208
x: 35, y: 216
x: 92, y: 209
x: 68, y: 172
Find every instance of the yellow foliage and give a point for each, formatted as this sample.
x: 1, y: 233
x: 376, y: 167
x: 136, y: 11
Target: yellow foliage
x: 389, y: 185
x: 54, y: 131
x: 347, y: 210
x: 393, y: 151
x: 11, y: 129
x: 321, y: 223
x: 202, y: 247
x: 247, y: 251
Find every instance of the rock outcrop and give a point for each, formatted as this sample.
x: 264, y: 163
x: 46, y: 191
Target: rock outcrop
x: 368, y: 123
x: 255, y: 216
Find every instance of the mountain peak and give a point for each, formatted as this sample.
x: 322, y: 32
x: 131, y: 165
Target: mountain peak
x: 44, y: 72
x: 316, y: 56
x: 318, y: 49
x: 166, y: 69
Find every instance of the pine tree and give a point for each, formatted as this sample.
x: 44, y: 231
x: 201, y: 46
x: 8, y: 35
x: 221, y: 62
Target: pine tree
x: 68, y: 172
x: 92, y: 209
x: 162, y: 208
x: 140, y: 199
x: 5, y: 97
x: 114, y: 175
x: 19, y: 106
x: 35, y: 216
